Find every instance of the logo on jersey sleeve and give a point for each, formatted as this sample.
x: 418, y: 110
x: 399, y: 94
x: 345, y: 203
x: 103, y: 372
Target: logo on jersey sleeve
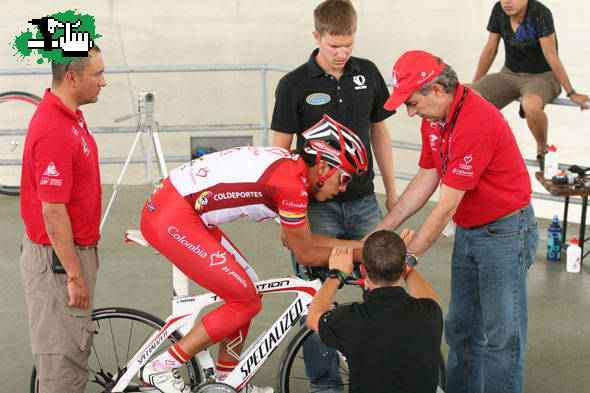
x: 202, y: 200
x: 291, y: 219
x: 318, y: 99
x: 465, y: 168
x: 51, y: 170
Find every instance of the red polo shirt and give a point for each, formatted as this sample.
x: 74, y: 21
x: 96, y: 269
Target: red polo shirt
x: 483, y: 160
x: 60, y: 164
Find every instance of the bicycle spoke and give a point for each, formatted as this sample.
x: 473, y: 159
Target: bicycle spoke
x: 114, y: 344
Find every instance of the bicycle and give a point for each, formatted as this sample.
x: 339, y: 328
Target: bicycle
x: 17, y: 110
x: 199, y: 372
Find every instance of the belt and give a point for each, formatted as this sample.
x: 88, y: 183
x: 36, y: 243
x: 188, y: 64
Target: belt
x: 511, y: 214
x: 82, y: 247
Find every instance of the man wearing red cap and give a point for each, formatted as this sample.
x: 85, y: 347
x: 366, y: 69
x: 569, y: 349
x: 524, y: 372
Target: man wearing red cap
x: 469, y: 149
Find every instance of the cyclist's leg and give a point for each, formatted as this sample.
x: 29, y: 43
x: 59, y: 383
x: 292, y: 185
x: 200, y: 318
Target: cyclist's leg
x: 170, y: 224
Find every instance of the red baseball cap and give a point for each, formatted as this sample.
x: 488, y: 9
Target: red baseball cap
x: 412, y: 70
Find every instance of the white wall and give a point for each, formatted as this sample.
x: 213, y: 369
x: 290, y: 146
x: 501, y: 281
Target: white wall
x: 148, y: 32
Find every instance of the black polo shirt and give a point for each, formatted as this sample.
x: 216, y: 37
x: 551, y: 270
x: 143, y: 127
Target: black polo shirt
x: 391, y: 341
x: 305, y: 94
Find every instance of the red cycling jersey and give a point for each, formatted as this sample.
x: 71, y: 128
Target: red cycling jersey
x: 180, y: 220
x: 256, y: 182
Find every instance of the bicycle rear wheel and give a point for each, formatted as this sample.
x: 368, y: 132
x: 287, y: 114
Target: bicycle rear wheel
x: 15, y: 113
x: 292, y: 378
x: 120, y: 333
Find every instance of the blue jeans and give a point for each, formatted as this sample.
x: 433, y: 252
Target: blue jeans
x: 486, y: 326
x: 342, y: 220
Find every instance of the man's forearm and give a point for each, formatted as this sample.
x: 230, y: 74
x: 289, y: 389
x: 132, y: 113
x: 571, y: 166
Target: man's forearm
x: 420, y: 188
x: 418, y: 287
x: 430, y: 231
x: 59, y: 230
x: 322, y: 302
x: 381, y: 143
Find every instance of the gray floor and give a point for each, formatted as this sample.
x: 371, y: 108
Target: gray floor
x: 133, y: 276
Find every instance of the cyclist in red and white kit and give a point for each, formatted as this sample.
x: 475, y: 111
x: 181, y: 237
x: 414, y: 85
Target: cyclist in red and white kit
x: 181, y: 220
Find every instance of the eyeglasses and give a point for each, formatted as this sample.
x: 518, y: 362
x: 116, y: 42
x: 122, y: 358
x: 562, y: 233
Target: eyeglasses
x: 345, y: 177
x: 67, y: 66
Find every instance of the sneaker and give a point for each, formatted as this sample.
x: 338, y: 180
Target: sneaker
x: 249, y: 388
x: 541, y: 160
x: 166, y: 381
x: 521, y: 112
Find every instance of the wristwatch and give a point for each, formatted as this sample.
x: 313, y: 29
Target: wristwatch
x: 571, y: 93
x: 411, y: 259
x: 339, y: 274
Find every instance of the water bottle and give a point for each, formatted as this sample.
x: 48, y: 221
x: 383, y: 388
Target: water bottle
x: 554, y: 240
x: 574, y: 256
x: 551, y: 163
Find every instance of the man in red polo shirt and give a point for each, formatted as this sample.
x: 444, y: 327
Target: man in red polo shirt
x: 61, y: 207
x: 469, y: 149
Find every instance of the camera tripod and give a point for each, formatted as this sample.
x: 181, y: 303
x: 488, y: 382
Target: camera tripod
x: 150, y: 127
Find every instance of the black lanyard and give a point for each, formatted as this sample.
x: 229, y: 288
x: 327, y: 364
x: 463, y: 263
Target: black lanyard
x: 446, y: 160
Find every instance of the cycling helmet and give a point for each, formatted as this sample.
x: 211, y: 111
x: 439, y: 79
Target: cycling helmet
x: 330, y: 141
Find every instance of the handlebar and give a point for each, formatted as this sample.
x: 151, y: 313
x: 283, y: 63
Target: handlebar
x: 321, y: 272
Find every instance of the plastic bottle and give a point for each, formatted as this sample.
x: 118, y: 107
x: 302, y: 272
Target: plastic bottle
x: 554, y: 240
x: 551, y: 162
x: 574, y: 256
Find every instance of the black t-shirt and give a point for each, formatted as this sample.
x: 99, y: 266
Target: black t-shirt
x: 391, y: 341
x: 523, y: 49
x: 305, y: 94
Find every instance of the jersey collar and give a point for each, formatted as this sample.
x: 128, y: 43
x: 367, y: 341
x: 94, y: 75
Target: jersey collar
x: 53, y: 100
x: 352, y: 65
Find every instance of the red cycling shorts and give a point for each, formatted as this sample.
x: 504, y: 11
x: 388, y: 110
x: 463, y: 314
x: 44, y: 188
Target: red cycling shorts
x: 173, y: 227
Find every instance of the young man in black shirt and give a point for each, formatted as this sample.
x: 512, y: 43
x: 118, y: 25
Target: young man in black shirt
x: 391, y: 341
x: 532, y: 68
x: 351, y: 91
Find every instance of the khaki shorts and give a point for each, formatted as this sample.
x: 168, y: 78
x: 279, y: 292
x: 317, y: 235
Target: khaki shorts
x: 61, y: 336
x: 506, y: 86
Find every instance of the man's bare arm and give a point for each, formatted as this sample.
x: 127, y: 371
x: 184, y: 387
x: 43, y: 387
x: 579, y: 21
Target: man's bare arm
x: 414, y: 197
x: 59, y: 230
x: 381, y: 143
x: 488, y: 54
x: 549, y: 48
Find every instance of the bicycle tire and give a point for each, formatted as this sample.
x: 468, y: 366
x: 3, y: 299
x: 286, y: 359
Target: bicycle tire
x: 291, y: 376
x: 109, y: 345
x: 12, y: 96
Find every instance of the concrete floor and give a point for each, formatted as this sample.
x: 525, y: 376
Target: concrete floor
x: 136, y: 277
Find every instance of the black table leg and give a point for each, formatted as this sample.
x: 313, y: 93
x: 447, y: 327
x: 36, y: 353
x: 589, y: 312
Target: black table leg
x: 566, y: 205
x: 583, y: 225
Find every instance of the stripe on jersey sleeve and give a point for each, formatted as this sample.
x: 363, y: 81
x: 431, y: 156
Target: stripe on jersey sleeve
x: 292, y: 219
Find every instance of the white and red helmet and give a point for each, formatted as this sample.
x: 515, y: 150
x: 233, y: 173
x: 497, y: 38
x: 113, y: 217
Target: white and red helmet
x: 330, y: 141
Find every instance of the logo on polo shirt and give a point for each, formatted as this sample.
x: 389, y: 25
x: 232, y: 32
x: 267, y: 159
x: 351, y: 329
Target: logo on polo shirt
x: 359, y: 80
x: 51, y: 170
x: 433, y: 139
x: 318, y: 99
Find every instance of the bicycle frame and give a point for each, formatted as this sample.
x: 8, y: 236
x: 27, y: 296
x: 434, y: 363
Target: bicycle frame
x: 186, y: 309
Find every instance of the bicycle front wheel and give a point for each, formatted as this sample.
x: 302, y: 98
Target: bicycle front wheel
x: 15, y: 113
x: 119, y: 335
x: 292, y: 377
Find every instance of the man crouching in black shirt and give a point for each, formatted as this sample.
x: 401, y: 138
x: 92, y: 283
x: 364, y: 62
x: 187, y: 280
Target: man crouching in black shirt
x: 392, y: 340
